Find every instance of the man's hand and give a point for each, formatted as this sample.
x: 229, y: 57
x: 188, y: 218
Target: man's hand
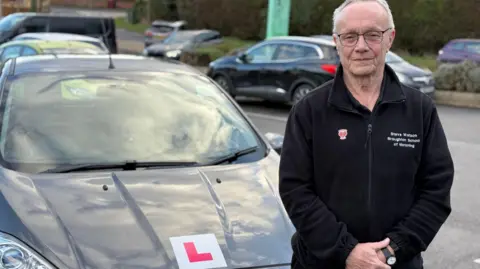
x: 365, y: 256
x: 382, y: 257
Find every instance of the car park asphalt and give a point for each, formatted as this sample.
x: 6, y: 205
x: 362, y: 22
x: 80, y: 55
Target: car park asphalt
x: 457, y: 245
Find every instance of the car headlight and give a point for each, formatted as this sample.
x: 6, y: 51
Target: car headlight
x: 16, y: 255
x: 403, y: 78
x: 145, y: 52
x: 173, y: 53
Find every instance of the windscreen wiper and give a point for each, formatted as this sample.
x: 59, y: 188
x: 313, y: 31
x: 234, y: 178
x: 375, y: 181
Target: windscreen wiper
x: 127, y: 165
x: 232, y: 157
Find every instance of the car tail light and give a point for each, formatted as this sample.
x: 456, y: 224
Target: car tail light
x: 148, y: 33
x: 330, y: 68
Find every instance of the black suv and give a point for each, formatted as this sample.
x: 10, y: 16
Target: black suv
x: 98, y: 27
x: 280, y: 69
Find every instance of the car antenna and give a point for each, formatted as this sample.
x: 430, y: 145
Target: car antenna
x: 110, y: 61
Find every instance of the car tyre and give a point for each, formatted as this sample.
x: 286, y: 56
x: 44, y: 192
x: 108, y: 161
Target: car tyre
x: 300, y: 92
x: 225, y: 83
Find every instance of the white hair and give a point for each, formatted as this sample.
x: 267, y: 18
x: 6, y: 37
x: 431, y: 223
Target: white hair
x: 383, y: 3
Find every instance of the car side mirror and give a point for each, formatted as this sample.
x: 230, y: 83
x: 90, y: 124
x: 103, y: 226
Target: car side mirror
x: 276, y: 141
x: 243, y: 58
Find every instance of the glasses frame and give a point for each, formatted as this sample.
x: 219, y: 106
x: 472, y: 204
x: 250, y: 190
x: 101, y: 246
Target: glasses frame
x: 358, y: 36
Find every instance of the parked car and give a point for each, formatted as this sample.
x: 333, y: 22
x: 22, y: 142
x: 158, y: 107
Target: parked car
x: 62, y: 37
x: 459, y: 50
x: 14, y: 49
x: 282, y: 69
x: 135, y: 166
x: 160, y: 29
x: 97, y: 27
x: 409, y: 74
x: 181, y: 41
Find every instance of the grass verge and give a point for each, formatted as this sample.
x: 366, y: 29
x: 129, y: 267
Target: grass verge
x: 426, y: 61
x: 228, y: 46
x: 122, y: 23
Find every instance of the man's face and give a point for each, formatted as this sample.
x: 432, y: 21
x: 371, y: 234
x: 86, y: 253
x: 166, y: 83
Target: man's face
x: 368, y: 54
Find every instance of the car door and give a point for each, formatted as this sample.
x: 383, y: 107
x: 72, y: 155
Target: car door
x: 10, y: 52
x: 278, y: 76
x: 457, y: 53
x: 246, y: 76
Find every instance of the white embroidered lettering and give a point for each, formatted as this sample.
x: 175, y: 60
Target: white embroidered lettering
x: 405, y: 140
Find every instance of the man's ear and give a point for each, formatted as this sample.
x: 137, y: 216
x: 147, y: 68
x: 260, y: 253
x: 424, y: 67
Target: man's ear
x: 391, y: 38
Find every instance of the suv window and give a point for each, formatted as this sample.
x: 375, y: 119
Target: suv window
x: 329, y: 52
x: 90, y: 27
x: 263, y: 53
x: 34, y: 25
x: 296, y: 51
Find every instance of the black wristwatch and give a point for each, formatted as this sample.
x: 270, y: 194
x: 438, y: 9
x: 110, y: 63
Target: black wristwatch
x: 391, y: 259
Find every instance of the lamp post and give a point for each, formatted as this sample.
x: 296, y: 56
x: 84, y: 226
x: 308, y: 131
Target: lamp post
x: 278, y: 18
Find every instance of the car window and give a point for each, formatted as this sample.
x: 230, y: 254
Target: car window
x: 9, y: 22
x: 34, y: 25
x: 295, y: 52
x: 473, y: 48
x: 457, y: 46
x: 161, y: 29
x: 105, y: 117
x: 79, y: 26
x: 28, y: 51
x: 11, y: 52
x: 263, y: 53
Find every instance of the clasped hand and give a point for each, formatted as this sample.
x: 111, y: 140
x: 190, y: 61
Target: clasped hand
x: 368, y: 256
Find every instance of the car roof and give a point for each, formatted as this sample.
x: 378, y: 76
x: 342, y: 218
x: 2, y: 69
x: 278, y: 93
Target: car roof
x: 59, y: 36
x: 466, y: 40
x: 85, y: 63
x: 62, y: 15
x: 196, y: 32
x: 48, y: 44
x: 307, y: 39
x: 168, y: 23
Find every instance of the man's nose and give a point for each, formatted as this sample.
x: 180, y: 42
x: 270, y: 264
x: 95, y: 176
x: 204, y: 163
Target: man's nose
x: 361, y: 44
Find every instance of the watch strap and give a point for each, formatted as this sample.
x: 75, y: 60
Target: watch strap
x: 393, y: 245
x: 386, y: 253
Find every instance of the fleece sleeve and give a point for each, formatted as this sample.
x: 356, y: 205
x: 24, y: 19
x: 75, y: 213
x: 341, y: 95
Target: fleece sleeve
x: 434, y: 180
x: 325, y: 237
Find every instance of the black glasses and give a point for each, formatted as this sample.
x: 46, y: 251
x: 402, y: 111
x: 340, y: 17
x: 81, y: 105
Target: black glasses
x: 371, y: 37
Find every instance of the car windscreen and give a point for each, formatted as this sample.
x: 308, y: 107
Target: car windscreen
x: 55, y: 119
x: 7, y: 23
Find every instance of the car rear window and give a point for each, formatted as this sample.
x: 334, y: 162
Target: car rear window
x: 330, y: 53
x: 162, y: 29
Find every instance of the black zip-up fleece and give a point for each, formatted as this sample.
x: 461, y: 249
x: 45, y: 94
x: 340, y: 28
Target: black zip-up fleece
x: 349, y: 176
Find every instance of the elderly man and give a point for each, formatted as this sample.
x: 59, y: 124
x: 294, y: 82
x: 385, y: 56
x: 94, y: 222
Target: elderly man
x: 365, y: 172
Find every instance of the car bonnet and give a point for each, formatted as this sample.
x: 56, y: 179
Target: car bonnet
x: 219, y: 216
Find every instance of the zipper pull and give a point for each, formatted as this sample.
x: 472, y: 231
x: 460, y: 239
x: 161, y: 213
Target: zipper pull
x: 369, y: 133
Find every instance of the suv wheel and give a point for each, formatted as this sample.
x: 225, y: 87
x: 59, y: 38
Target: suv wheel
x: 300, y: 92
